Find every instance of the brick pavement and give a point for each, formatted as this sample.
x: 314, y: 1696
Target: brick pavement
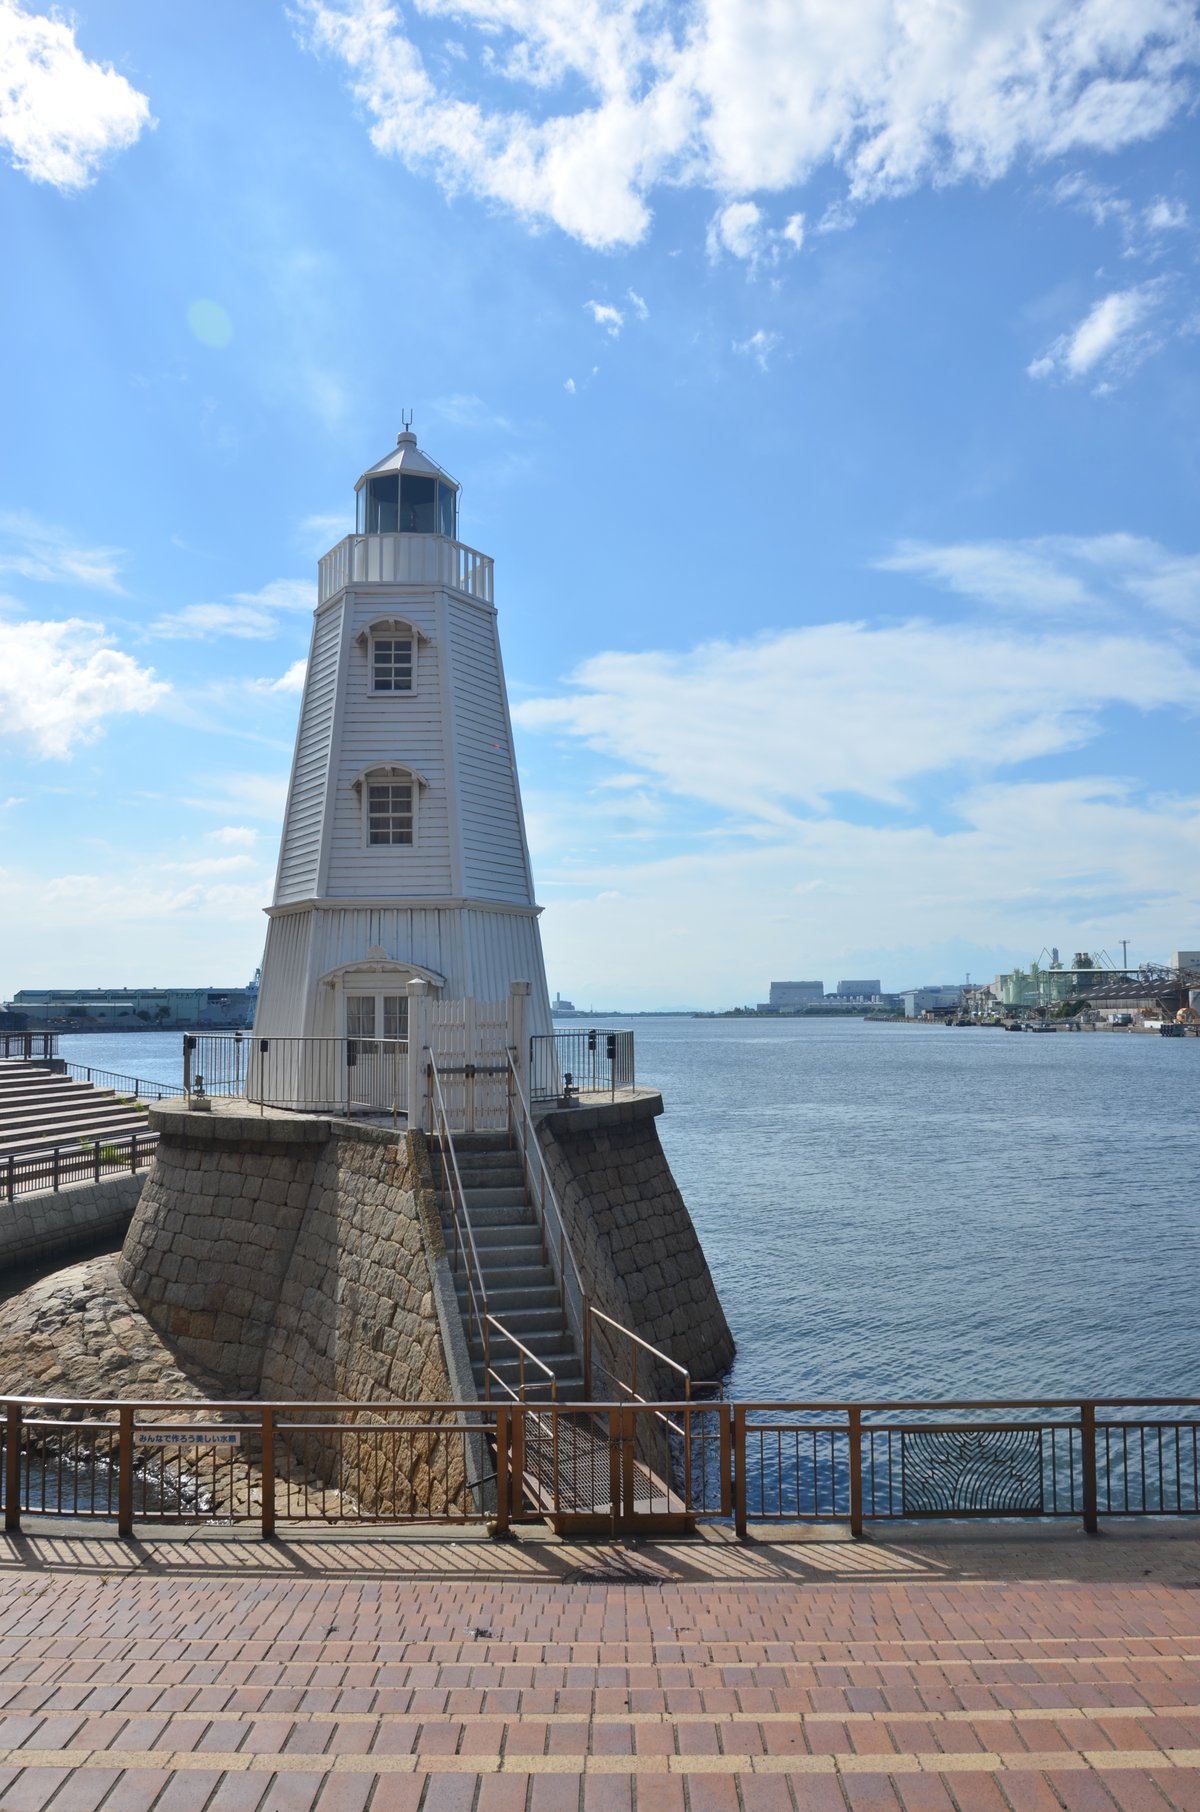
x: 212, y: 1675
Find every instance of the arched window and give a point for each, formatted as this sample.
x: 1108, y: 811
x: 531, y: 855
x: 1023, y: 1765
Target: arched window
x: 391, y: 644
x: 389, y: 794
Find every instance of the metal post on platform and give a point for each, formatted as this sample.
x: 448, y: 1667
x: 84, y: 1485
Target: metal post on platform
x: 418, y: 1039
x: 125, y: 1470
x: 12, y: 1468
x: 267, y: 1469
x: 499, y: 1527
x: 1087, y: 1440
x: 725, y: 1452
x: 854, y: 1430
x: 739, y: 1470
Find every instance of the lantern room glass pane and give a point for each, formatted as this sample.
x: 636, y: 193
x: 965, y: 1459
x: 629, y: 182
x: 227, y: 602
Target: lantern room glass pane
x: 446, y: 500
x: 383, y: 504
x: 418, y: 505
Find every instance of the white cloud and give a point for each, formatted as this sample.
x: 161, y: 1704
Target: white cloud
x: 289, y: 682
x: 255, y: 795
x: 59, y: 682
x: 61, y: 115
x: 638, y: 305
x: 201, y: 622
x: 758, y: 347
x: 738, y: 100
x: 1110, y: 575
x: 281, y: 594
x: 44, y: 552
x: 1109, y: 334
x: 1165, y: 216
x: 251, y: 617
x: 606, y: 316
x: 238, y: 836
x: 570, y: 386
x: 743, y: 230
x: 760, y: 729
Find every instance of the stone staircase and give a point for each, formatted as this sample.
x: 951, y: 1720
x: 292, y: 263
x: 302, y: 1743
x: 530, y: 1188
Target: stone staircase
x: 40, y: 1108
x: 518, y: 1280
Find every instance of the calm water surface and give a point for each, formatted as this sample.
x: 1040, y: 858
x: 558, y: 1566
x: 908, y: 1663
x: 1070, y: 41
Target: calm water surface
x: 893, y: 1211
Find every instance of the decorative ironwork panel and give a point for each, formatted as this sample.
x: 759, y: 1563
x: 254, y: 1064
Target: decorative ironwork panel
x: 988, y: 1471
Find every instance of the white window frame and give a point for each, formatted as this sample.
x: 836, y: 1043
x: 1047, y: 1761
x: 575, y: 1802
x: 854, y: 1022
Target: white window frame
x: 388, y: 773
x: 391, y: 629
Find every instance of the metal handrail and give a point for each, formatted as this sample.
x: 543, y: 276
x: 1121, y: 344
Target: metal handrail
x: 636, y: 1341
x: 523, y: 1353
x: 464, y: 1236
x: 527, y: 1142
x: 138, y: 1088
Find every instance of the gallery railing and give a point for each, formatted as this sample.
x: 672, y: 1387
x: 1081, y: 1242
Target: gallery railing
x: 309, y: 1075
x: 32, y: 1047
x: 756, y: 1464
x: 564, y: 1065
x: 134, y: 1088
x: 404, y: 558
x: 83, y: 1161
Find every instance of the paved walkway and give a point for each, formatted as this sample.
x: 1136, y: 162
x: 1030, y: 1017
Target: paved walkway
x: 964, y: 1674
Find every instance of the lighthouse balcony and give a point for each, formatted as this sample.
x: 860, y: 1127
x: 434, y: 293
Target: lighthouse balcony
x: 404, y: 559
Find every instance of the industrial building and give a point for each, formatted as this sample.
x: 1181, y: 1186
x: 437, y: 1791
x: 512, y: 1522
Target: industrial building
x: 136, y: 1009
x: 942, y: 997
x: 793, y: 996
x: 859, y: 990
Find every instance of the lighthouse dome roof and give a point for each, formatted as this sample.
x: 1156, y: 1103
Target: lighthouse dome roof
x: 407, y: 457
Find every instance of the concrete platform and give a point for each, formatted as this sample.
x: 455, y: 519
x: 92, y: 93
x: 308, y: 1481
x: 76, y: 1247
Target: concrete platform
x: 988, y: 1671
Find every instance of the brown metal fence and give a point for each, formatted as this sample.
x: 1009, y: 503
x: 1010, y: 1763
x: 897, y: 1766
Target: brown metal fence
x: 82, y: 1162
x: 607, y: 1467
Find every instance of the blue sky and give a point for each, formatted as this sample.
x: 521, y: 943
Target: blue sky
x: 823, y: 380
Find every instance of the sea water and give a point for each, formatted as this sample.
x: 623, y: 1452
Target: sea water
x: 893, y: 1211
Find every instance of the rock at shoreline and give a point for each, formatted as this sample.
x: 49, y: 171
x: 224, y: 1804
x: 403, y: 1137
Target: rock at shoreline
x: 80, y: 1333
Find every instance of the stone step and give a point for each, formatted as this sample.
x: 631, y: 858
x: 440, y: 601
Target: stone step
x: 116, y: 1134
x: 509, y: 1299
x: 509, y: 1233
x: 62, y: 1126
x: 43, y: 1083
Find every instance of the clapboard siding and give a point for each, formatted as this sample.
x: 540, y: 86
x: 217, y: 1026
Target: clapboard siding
x: 300, y: 852
x: 494, y: 864
x: 399, y: 727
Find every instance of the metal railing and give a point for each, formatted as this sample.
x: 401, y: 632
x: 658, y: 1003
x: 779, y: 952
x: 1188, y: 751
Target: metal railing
x: 32, y: 1047
x: 135, y: 1088
x: 564, y: 1065
x: 309, y: 1075
x: 80, y: 1162
x: 396, y: 558
x: 586, y: 1464
x: 465, y: 1253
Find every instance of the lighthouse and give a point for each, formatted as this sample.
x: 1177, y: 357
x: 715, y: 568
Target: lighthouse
x: 404, y: 869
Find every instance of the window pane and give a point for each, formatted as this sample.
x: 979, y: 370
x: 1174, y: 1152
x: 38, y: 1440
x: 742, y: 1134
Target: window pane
x: 395, y: 1015
x: 382, y: 496
x: 360, y: 1016
x: 446, y: 522
x: 389, y: 813
x: 391, y: 663
x: 418, y: 498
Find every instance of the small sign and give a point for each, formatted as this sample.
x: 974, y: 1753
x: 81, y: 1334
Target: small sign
x: 187, y: 1437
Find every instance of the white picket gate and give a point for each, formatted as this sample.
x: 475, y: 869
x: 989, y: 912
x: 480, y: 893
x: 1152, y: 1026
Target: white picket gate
x: 470, y: 1041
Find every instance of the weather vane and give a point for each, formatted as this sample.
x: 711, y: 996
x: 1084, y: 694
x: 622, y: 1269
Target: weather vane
x: 406, y: 418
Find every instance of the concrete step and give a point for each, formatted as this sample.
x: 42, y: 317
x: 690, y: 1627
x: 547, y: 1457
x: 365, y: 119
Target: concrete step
x: 504, y: 1216
x: 511, y: 1233
x: 116, y: 1135
x: 513, y: 1197
x: 63, y: 1124
x: 511, y: 1299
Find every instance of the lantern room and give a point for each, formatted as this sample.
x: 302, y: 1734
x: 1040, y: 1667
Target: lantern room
x: 406, y: 494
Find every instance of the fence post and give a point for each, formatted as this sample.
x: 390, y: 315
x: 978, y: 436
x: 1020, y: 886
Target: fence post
x: 54, y: 1171
x: 267, y: 1466
x: 739, y: 1470
x: 12, y: 1181
x: 1087, y: 1442
x: 418, y: 1038
x: 518, y: 1002
x: 500, y: 1527
x: 96, y: 1158
x: 133, y: 1154
x: 854, y: 1429
x: 125, y: 1470
x: 615, y: 1444
x: 516, y: 1472
x: 587, y: 1349
x: 188, y: 1045
x: 12, y: 1468
x: 725, y: 1457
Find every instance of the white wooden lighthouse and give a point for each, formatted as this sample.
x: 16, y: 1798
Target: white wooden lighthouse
x: 403, y: 858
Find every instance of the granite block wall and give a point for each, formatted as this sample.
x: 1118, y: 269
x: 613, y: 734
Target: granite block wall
x: 81, y: 1217
x: 301, y: 1260
x: 633, y: 1237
